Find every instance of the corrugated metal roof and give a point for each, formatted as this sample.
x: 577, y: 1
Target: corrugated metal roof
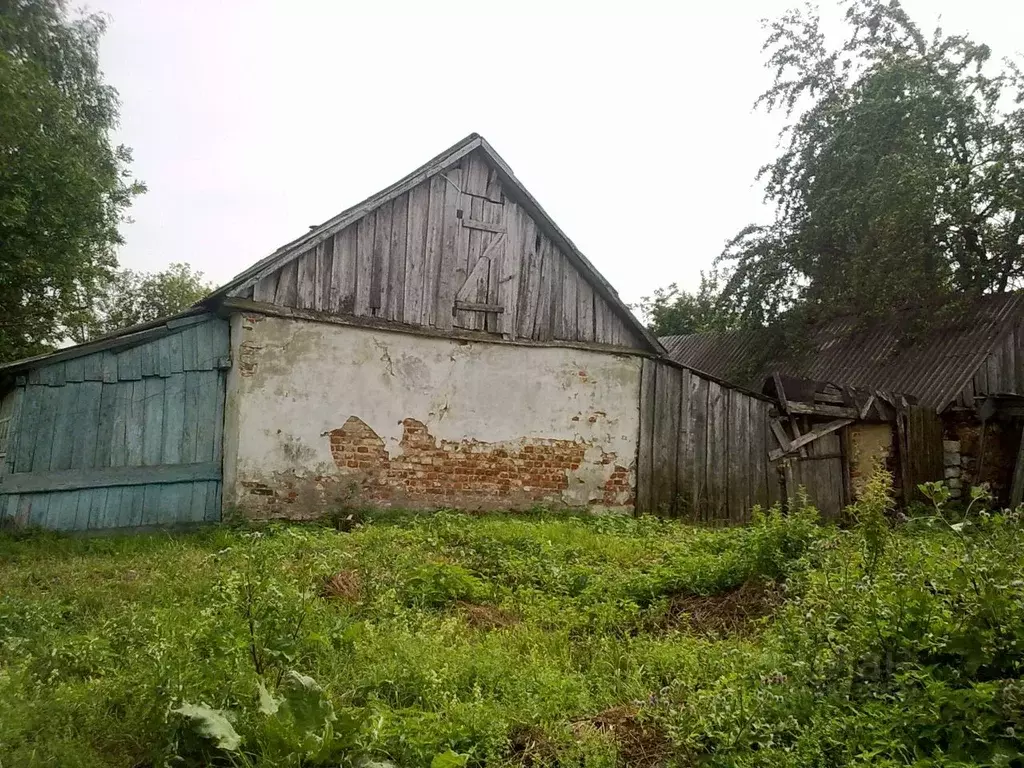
x: 932, y: 368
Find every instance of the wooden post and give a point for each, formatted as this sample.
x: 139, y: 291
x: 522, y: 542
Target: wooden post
x: 1017, y: 488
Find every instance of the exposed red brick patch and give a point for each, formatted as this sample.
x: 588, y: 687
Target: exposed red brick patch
x: 460, y: 473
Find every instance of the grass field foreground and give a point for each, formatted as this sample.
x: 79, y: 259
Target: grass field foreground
x: 450, y: 640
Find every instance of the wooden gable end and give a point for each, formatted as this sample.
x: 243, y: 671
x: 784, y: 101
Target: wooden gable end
x: 454, y: 252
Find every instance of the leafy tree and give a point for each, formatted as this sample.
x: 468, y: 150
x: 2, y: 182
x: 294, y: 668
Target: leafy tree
x: 900, y: 182
x: 129, y: 298
x: 64, y: 187
x: 671, y: 311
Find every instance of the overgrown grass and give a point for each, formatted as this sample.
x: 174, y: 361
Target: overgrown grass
x: 504, y: 640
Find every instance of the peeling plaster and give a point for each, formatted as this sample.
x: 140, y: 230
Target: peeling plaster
x: 305, y: 379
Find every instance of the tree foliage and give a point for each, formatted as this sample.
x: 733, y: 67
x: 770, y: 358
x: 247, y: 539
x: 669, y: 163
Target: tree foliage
x: 900, y: 181
x: 64, y: 186
x: 672, y: 311
x: 130, y: 297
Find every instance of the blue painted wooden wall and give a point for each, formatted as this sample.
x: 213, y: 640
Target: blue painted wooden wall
x: 125, y: 437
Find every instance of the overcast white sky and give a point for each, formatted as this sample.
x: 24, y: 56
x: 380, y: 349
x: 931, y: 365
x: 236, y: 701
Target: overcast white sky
x: 630, y: 122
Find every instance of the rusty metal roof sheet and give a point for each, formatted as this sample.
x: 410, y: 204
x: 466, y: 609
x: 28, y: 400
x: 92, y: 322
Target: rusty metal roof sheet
x: 932, y: 368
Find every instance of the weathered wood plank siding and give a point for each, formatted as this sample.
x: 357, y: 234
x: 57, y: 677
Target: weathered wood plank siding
x: 455, y: 238
x: 120, y: 438
x: 703, y: 450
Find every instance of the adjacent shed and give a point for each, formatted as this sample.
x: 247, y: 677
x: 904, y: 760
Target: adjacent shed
x: 125, y: 431
x: 967, y: 368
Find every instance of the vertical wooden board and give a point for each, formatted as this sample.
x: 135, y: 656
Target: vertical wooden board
x: 451, y: 258
x: 132, y: 502
x: 645, y: 447
x: 218, y: 417
x: 52, y: 375
x: 585, y: 310
x: 477, y: 174
x: 208, y: 395
x: 600, y: 320
x: 196, y: 501
x: 105, y: 426
x: 213, y: 504
x: 175, y: 353
x: 739, y: 450
x: 666, y: 439
x: 265, y: 289
x: 206, y: 352
x: 758, y: 454
x: 173, y: 419
x: 193, y: 415
x: 162, y: 357
x: 716, y: 440
x: 92, y: 367
x: 153, y: 428
x: 558, y: 319
x: 286, y: 293
x: 511, y: 267
x: 305, y: 280
x: 544, y: 325
x: 29, y: 423
x: 699, y: 446
x: 66, y: 426
x: 119, y: 433
x: 38, y: 508
x: 135, y: 425
x: 684, y: 448
x: 322, y: 290
x: 128, y: 364
x: 529, y: 281
x: 381, y: 260
x: 494, y: 213
x: 476, y: 242
x: 432, y: 252
x: 109, y: 364
x: 63, y: 510
x: 396, y: 270
x: 365, y: 231
x: 147, y: 358
x: 151, y: 504
x: 189, y: 348
x: 342, y: 299
x: 47, y: 425
x: 74, y: 370
x: 220, y: 338
x: 415, y: 253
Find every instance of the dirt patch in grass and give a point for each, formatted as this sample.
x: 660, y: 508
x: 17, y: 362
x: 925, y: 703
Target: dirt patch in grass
x: 486, y: 616
x: 639, y: 744
x: 529, y: 746
x: 734, y: 612
x: 344, y: 585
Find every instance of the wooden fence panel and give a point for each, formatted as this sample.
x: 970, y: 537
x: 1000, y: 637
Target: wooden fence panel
x: 703, y: 452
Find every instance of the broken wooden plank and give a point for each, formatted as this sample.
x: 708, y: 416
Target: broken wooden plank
x: 809, y: 437
x: 833, y: 411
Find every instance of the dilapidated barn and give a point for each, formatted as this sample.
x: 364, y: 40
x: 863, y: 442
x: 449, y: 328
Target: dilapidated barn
x: 966, y: 368
x: 442, y: 343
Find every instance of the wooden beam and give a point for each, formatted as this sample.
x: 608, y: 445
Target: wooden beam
x: 810, y: 437
x: 780, y: 435
x: 484, y: 226
x: 833, y: 411
x: 106, y: 477
x: 867, y: 406
x: 1017, y: 487
x: 472, y: 306
x: 380, y: 324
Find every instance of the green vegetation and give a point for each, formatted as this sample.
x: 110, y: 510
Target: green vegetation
x: 450, y: 640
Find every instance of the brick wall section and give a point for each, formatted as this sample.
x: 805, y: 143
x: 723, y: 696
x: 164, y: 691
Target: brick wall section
x: 466, y: 473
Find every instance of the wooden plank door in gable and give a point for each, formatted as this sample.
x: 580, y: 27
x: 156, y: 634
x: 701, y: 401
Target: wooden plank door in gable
x: 481, y: 249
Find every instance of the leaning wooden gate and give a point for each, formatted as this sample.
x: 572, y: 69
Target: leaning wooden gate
x: 125, y: 436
